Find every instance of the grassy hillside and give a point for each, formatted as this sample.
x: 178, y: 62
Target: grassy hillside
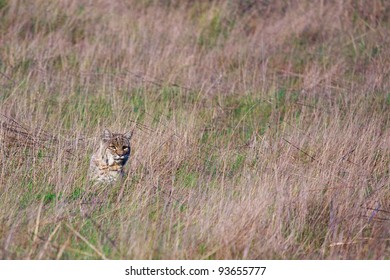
x: 261, y: 130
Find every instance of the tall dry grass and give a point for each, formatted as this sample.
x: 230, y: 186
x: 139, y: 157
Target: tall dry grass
x: 261, y: 129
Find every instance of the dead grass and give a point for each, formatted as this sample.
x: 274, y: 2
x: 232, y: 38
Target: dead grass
x: 261, y: 130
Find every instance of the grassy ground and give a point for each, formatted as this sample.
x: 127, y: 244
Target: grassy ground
x: 260, y: 130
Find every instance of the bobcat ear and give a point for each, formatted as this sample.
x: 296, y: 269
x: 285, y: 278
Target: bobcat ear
x: 107, y: 135
x: 128, y: 135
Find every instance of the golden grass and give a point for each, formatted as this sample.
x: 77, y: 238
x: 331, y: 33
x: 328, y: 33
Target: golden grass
x: 262, y: 131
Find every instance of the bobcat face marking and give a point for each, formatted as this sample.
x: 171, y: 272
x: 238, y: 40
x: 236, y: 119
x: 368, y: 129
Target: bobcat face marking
x: 108, y: 161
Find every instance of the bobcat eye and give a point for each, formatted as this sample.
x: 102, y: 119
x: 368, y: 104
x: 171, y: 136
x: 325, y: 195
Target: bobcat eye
x: 125, y: 148
x: 112, y: 147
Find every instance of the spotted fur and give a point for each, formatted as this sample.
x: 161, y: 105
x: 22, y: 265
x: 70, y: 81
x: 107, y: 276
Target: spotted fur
x: 108, y: 161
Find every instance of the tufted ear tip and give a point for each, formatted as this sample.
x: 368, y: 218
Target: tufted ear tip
x: 128, y: 134
x: 106, y: 135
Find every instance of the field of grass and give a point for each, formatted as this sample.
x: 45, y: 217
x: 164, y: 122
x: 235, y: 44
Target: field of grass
x: 261, y: 129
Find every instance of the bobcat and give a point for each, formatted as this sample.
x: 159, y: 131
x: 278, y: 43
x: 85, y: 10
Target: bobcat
x: 107, y: 162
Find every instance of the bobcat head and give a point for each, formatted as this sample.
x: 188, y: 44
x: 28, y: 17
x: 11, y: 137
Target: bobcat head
x: 107, y: 162
x: 115, y: 147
